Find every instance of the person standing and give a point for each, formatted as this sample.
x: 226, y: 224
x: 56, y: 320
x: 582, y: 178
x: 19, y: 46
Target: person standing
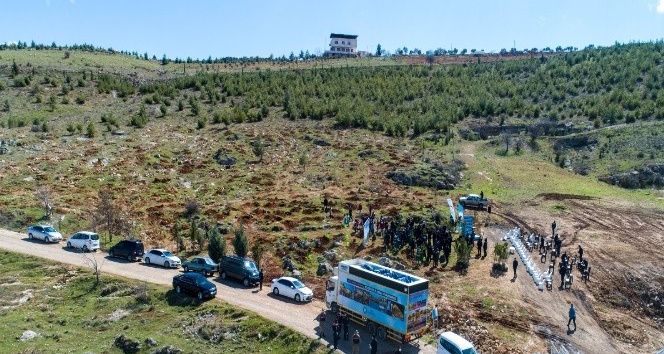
x: 572, y: 316
x: 479, y: 246
x: 260, y: 280
x: 356, y: 342
x: 580, y: 253
x: 345, y: 322
x: 336, y: 328
x: 482, y: 195
x: 321, y: 323
x: 485, y: 246
x: 434, y: 317
x: 553, y: 228
x: 374, y: 345
x: 515, y: 264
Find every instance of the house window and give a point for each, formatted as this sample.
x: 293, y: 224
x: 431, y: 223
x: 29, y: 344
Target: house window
x: 336, y: 42
x: 343, y: 42
x: 351, y: 50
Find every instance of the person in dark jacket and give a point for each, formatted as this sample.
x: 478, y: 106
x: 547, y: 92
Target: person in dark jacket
x: 479, y: 246
x: 321, y: 322
x: 572, y: 316
x: 580, y: 253
x: 345, y: 322
x: 260, y: 280
x: 485, y: 246
x: 515, y: 264
x: 374, y: 345
x: 336, y: 328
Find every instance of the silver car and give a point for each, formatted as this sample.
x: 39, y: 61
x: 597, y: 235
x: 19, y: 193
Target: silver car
x: 45, y: 233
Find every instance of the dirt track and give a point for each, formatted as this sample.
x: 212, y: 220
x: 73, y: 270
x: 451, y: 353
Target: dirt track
x: 615, y: 308
x: 300, y: 317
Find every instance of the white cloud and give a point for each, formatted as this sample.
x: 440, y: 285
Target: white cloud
x: 660, y: 7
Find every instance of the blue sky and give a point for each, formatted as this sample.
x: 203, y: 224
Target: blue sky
x: 260, y: 27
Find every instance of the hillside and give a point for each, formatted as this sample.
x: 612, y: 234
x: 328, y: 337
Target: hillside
x: 263, y: 147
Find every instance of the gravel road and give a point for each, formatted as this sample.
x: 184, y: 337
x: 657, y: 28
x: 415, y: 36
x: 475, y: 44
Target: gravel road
x: 298, y: 316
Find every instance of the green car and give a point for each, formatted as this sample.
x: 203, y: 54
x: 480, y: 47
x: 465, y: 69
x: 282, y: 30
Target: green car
x: 204, y: 265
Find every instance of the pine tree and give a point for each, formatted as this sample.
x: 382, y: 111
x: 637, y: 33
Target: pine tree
x: 217, y: 246
x: 240, y: 243
x: 15, y: 70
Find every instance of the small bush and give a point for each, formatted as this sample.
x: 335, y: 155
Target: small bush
x: 191, y: 207
x: 201, y: 123
x: 91, y: 131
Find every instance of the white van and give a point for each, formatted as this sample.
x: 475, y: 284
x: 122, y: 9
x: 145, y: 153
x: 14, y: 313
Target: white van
x: 85, y: 240
x: 452, y: 343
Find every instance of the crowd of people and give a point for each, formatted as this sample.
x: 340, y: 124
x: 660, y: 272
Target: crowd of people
x: 341, y: 321
x: 428, y: 243
x: 567, y: 262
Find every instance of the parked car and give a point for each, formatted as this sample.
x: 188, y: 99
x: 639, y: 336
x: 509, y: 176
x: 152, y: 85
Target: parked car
x: 204, y: 265
x: 452, y: 343
x: 162, y: 257
x: 45, y: 233
x: 85, y: 240
x: 473, y: 200
x: 130, y: 249
x: 291, y: 288
x: 239, y: 268
x: 194, y: 283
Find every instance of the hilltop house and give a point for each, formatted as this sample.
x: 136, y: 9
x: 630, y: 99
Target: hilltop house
x: 342, y: 45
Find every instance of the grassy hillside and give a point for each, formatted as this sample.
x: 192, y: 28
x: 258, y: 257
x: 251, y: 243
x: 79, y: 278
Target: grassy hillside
x: 86, y: 121
x: 70, y: 314
x: 260, y: 146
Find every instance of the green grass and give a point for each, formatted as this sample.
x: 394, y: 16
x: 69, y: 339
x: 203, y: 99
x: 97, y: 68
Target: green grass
x: 519, y: 178
x: 70, y: 314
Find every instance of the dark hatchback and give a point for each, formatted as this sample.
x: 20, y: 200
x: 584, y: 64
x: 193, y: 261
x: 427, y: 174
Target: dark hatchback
x: 194, y: 283
x: 130, y: 249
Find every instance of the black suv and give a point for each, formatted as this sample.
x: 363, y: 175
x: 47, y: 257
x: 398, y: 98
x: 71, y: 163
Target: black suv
x: 239, y: 268
x: 130, y: 249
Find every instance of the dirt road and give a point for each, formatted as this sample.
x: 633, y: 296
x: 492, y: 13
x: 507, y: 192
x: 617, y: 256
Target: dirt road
x: 300, y: 317
x: 549, y: 308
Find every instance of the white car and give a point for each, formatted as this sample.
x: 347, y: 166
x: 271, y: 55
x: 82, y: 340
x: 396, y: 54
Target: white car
x: 45, y: 233
x: 452, y: 343
x: 85, y: 240
x: 292, y: 288
x: 160, y: 256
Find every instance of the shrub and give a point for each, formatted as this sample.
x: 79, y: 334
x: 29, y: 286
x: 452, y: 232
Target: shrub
x: 217, y: 246
x: 463, y: 253
x: 201, y: 123
x: 240, y: 242
x: 191, y: 207
x: 91, y: 131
